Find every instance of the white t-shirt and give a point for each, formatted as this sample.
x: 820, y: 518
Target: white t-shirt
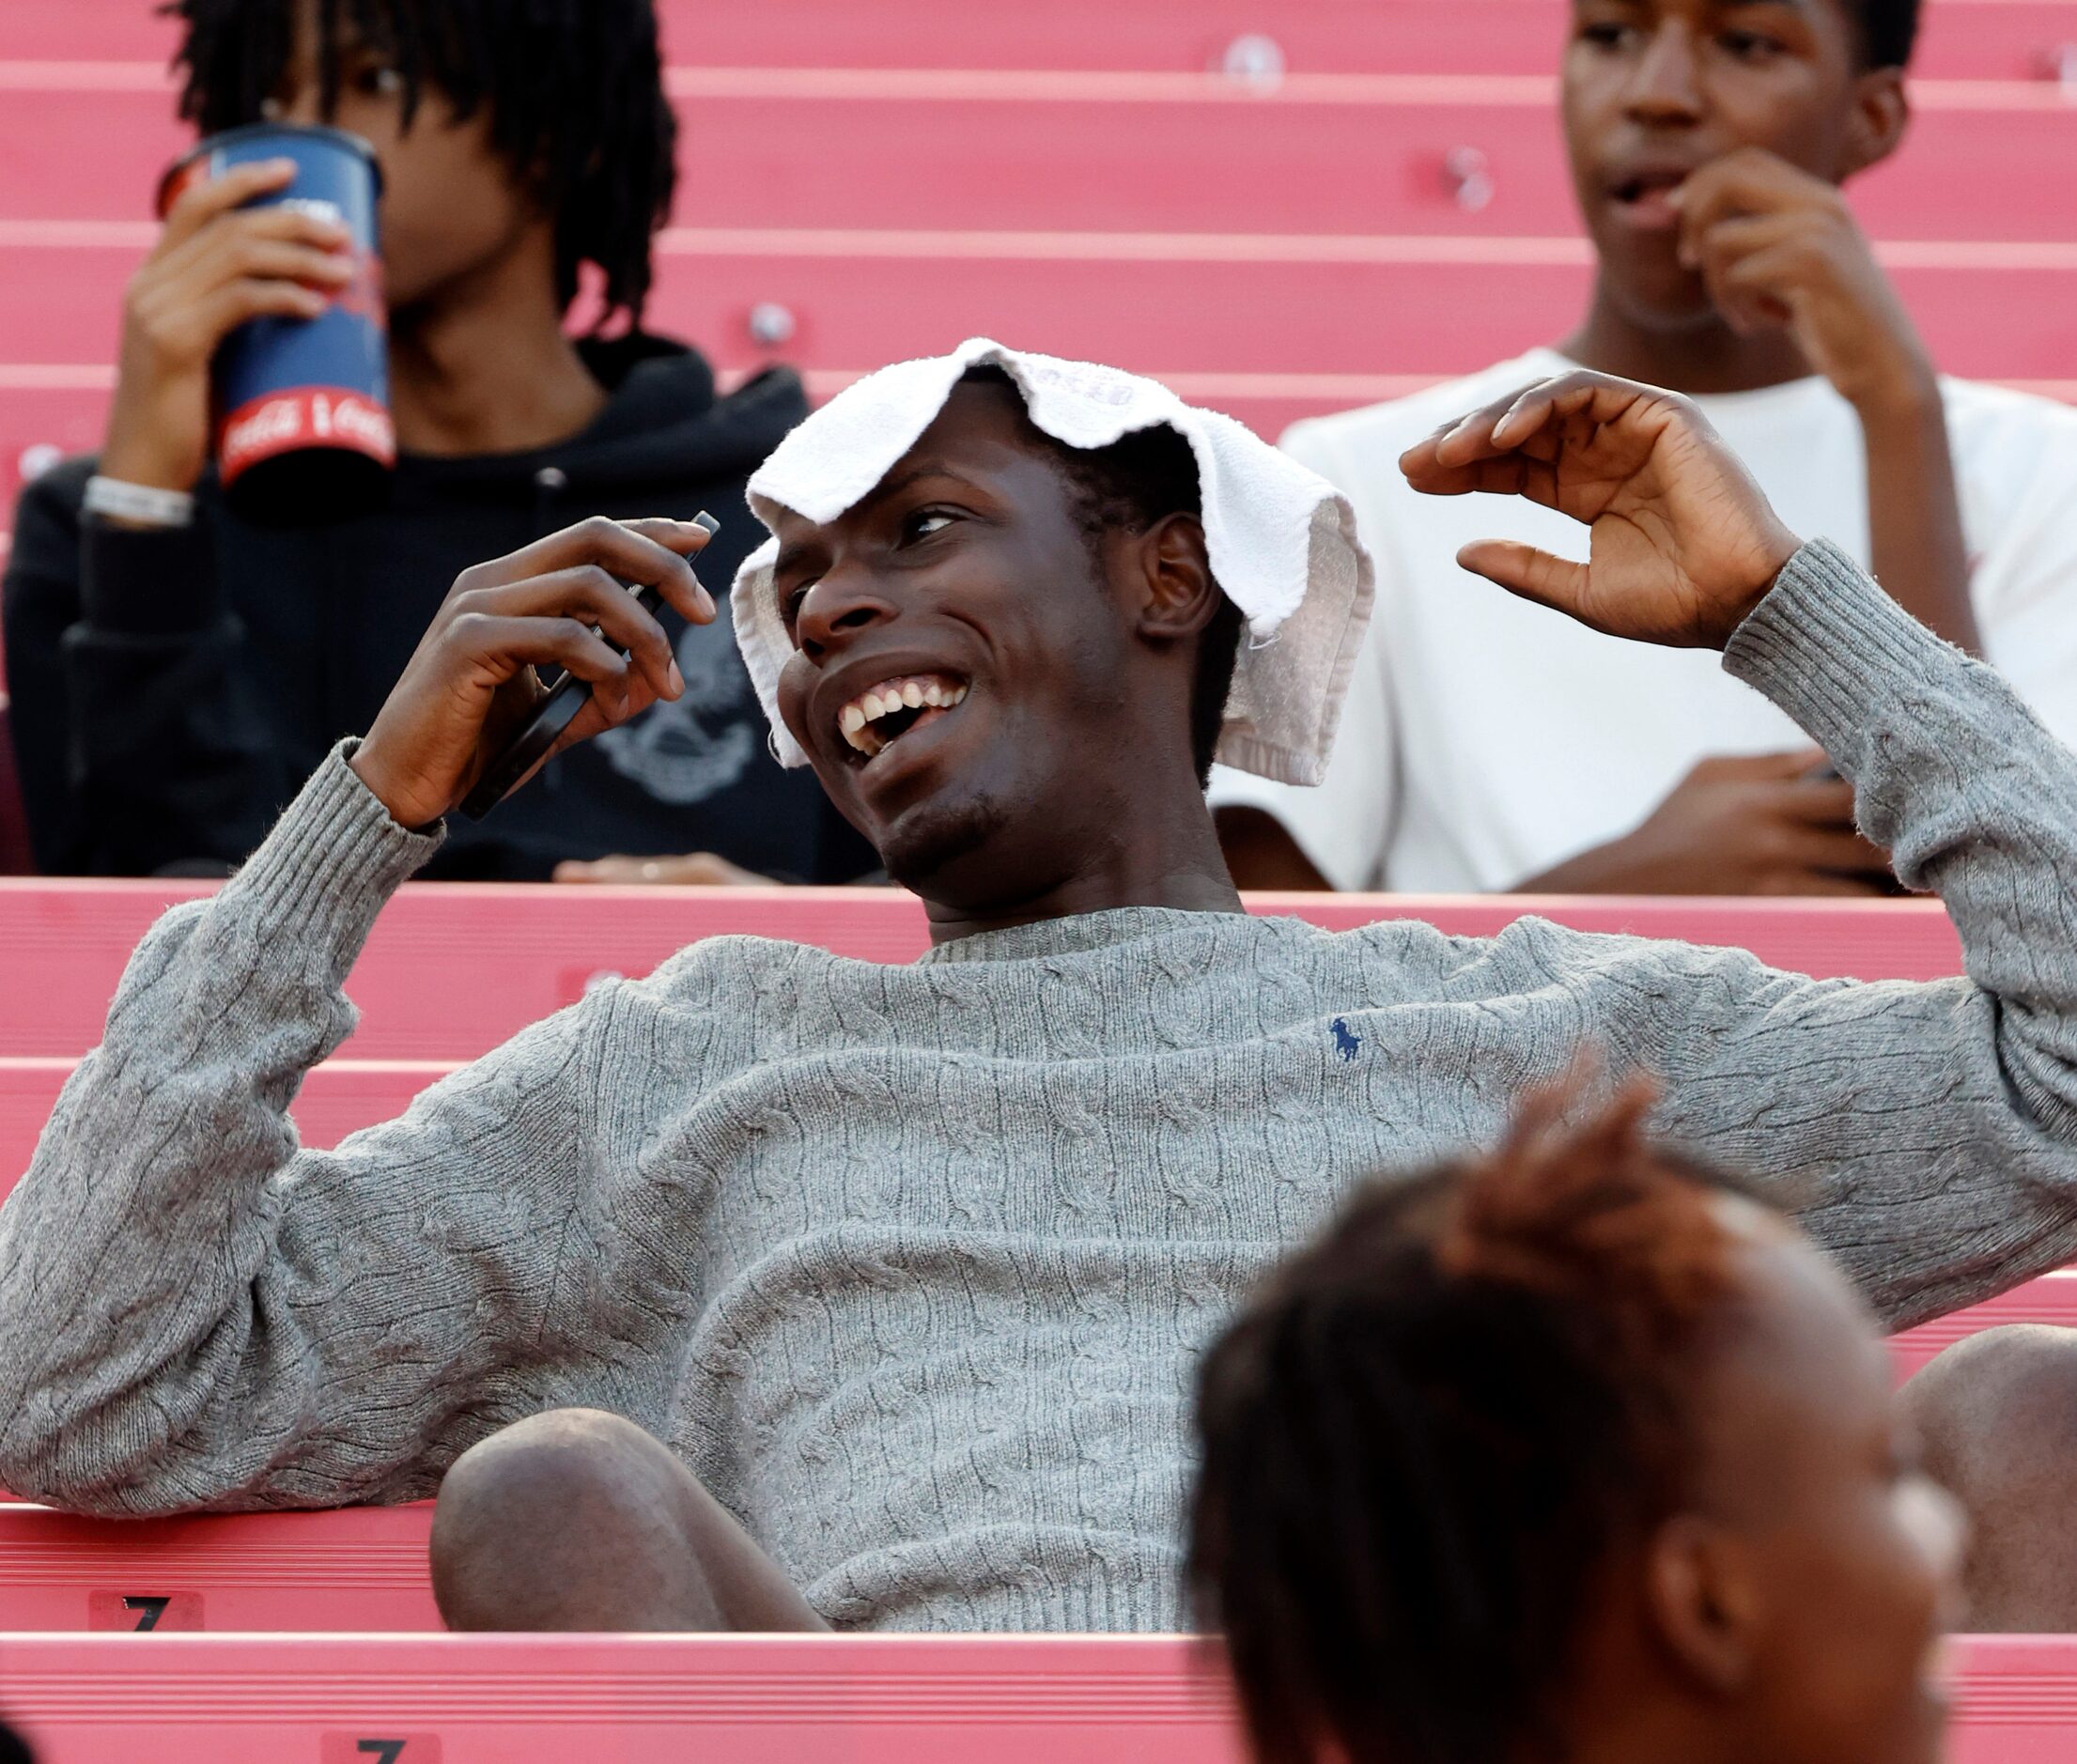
x: 1486, y: 739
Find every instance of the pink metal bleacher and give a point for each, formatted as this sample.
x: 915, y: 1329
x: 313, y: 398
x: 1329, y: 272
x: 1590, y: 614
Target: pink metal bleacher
x: 895, y: 176
x: 522, y: 1699
x: 454, y: 968
x: 361, y: 1567
x: 1076, y: 177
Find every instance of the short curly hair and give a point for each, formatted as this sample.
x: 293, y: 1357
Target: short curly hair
x: 1425, y: 1438
x: 1887, y: 29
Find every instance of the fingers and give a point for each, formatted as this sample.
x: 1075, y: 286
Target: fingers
x: 1819, y: 802
x: 597, y: 599
x: 263, y: 275
x: 1841, y: 854
x: 1525, y: 570
x: 504, y: 644
x: 1512, y: 474
x: 1762, y: 291
x: 202, y: 201
x: 649, y: 553
x: 1593, y: 400
x: 273, y: 262
x: 1750, y: 180
x: 700, y: 869
x: 1816, y: 882
x: 230, y: 306
x: 1795, y: 764
x: 1746, y: 265
x: 1513, y: 424
x: 280, y: 257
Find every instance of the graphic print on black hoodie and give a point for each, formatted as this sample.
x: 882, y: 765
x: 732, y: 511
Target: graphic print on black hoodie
x: 171, y: 690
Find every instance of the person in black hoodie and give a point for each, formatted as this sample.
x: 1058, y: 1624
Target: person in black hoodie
x: 176, y: 671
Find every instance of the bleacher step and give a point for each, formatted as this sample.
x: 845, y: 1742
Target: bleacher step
x: 882, y: 1699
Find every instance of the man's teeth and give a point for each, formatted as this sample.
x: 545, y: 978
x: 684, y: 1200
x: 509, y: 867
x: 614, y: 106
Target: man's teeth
x: 921, y: 691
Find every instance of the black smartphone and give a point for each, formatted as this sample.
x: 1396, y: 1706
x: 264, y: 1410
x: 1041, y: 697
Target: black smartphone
x: 554, y: 714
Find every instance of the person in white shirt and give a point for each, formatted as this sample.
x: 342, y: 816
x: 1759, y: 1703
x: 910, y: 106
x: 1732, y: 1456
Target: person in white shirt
x: 1482, y: 750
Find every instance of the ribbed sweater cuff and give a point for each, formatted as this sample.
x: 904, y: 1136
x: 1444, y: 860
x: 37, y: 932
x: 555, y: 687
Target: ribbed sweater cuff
x: 331, y: 861
x: 1829, y: 647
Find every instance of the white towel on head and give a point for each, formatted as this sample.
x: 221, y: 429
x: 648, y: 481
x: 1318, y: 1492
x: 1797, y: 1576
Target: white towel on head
x: 1282, y: 541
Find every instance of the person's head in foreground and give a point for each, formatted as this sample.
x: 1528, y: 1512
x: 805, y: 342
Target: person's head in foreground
x: 534, y: 136
x: 1699, y: 132
x: 1570, y: 1452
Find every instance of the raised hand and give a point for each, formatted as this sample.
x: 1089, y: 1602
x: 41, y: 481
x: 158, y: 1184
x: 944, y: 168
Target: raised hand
x: 1683, y: 543
x: 470, y: 684
x: 1779, y: 248
x: 216, y: 265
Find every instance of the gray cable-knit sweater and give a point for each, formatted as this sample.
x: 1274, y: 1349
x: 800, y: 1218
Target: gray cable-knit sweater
x: 911, y: 1263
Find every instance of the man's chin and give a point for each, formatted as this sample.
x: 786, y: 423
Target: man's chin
x: 1663, y: 297
x: 931, y: 846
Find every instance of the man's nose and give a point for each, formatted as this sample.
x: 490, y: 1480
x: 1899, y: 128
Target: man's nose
x: 843, y: 605
x: 301, y: 107
x: 1665, y: 85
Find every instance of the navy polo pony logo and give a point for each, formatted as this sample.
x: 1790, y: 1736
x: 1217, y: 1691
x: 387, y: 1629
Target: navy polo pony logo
x: 1347, y: 1042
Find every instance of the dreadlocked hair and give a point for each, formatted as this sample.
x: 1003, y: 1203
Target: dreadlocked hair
x: 574, y: 89
x: 1427, y: 1436
x: 1888, y: 31
x: 1140, y: 479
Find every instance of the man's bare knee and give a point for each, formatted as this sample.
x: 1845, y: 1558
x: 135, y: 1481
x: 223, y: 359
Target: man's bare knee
x: 1997, y: 1415
x: 569, y: 1520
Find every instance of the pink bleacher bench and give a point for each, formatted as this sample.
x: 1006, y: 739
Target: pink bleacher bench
x: 359, y: 1568
x: 825, y: 131
x: 452, y: 969
x: 511, y: 1699
x: 2002, y: 39
x: 881, y: 1699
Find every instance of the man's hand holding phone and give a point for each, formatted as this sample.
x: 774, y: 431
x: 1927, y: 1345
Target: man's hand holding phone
x: 565, y: 601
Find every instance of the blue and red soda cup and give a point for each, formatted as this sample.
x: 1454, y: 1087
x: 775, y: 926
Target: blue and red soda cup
x: 301, y: 412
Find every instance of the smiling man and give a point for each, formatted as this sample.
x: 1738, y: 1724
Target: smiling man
x: 778, y: 1290
x: 1709, y: 140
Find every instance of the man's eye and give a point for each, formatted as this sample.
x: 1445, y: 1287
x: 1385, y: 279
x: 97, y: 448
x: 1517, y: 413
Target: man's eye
x: 789, y: 609
x: 1750, y: 45
x: 1605, y: 35
x: 379, y: 82
x: 924, y: 522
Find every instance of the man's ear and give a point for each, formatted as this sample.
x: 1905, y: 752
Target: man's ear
x: 1704, y: 1599
x: 1178, y: 594
x: 1875, y: 129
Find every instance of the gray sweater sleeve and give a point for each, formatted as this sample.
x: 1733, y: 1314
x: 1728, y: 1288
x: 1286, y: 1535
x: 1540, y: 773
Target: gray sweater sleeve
x: 1927, y: 1133
x: 195, y: 1310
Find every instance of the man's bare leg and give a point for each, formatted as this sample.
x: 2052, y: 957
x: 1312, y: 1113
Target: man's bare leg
x: 579, y: 1520
x: 1997, y: 1417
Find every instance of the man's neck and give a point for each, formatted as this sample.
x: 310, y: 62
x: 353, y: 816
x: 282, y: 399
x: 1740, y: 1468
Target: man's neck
x: 1699, y: 358
x: 1170, y: 860
x: 484, y: 368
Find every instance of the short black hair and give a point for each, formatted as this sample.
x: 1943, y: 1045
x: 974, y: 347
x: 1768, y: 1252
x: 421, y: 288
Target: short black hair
x: 574, y: 88
x: 1426, y: 1439
x: 1138, y: 480
x: 1888, y: 31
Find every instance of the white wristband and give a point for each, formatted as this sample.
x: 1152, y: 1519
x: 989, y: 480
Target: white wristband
x: 140, y: 503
